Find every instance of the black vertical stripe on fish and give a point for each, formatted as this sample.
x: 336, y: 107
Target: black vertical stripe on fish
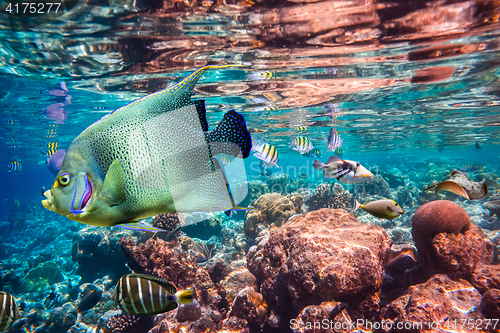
x: 231, y: 129
x: 267, y: 148
x: 202, y: 114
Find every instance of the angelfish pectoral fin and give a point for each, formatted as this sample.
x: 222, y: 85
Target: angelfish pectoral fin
x: 113, y: 189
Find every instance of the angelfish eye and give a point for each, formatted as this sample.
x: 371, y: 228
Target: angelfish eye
x: 64, y: 179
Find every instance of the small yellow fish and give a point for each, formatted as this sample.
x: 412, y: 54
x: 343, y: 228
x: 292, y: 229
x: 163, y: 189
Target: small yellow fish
x: 384, y: 208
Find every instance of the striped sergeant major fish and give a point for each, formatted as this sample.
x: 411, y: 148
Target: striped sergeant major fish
x: 301, y: 144
x: 9, y: 312
x: 14, y: 166
x: 265, y: 152
x: 147, y: 294
x: 51, y: 149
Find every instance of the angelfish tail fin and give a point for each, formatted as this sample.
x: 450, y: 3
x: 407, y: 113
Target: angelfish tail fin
x: 185, y: 296
x: 231, y: 136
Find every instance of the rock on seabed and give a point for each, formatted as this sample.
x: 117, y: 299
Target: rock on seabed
x: 321, y: 256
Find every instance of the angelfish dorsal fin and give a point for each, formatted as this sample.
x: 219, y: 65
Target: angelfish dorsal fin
x: 114, y: 184
x: 173, y: 97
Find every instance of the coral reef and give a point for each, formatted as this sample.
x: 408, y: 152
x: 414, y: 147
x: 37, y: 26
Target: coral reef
x: 236, y: 281
x: 278, y: 183
x: 320, y: 256
x: 444, y: 301
x: 319, y: 197
x: 329, y: 196
x: 188, y: 312
x: 204, y: 230
x: 490, y: 304
x: 377, y: 187
x: 271, y: 209
x: 117, y: 321
x: 249, y: 306
x: 167, y: 261
x: 325, y: 318
x: 297, y: 201
x: 339, y: 198
x: 97, y: 252
x: 43, y: 276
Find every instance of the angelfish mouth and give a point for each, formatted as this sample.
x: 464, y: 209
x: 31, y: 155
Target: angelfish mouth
x: 85, y: 196
x: 49, y: 202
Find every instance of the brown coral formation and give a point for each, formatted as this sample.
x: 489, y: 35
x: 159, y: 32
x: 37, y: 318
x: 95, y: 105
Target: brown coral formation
x: 167, y: 261
x: 249, y: 305
x: 431, y: 219
x: 236, y: 281
x: 444, y: 300
x: 330, y: 196
x: 162, y: 259
x: 320, y: 256
x: 272, y: 209
x: 490, y: 304
x: 327, y: 317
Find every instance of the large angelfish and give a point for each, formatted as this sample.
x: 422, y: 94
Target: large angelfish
x: 152, y: 156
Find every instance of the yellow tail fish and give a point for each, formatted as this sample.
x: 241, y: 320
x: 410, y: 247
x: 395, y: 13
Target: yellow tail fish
x: 152, y: 156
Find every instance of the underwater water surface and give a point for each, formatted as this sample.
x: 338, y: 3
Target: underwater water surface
x: 412, y: 91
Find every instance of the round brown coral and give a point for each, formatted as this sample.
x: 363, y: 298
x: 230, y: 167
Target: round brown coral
x: 271, y: 209
x: 434, y: 218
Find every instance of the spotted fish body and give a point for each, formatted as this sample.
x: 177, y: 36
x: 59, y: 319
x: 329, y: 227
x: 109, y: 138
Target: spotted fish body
x: 9, y: 312
x: 152, y: 156
x: 147, y: 294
